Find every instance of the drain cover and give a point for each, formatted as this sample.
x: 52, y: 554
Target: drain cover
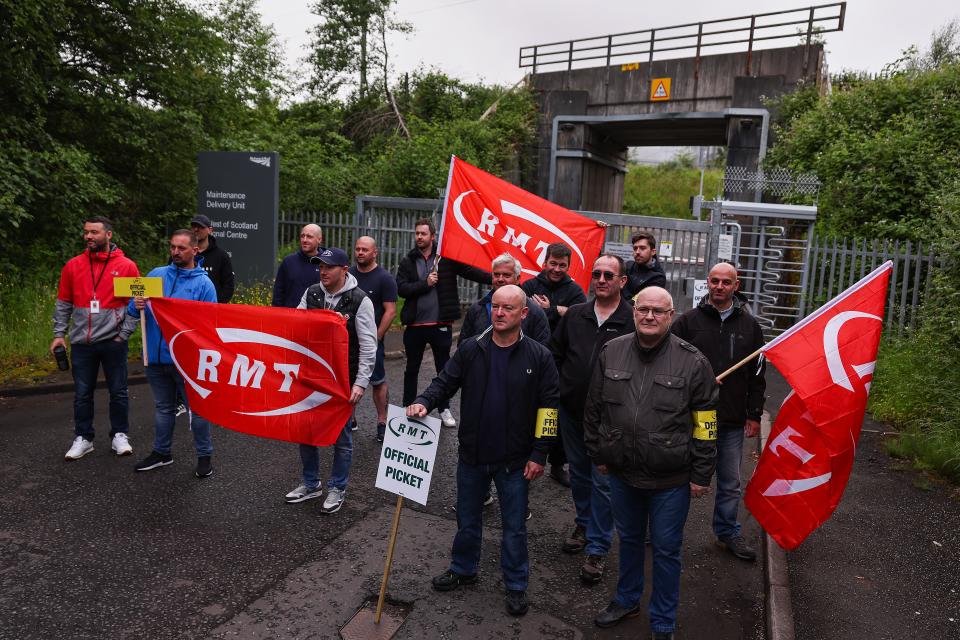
x: 362, y: 627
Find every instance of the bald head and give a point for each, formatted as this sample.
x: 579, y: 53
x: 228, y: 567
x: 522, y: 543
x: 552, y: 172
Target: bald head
x: 722, y: 284
x: 508, y: 308
x: 311, y: 237
x: 653, y: 313
x: 365, y: 253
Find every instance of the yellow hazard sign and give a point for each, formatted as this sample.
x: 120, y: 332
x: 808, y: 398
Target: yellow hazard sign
x: 660, y: 89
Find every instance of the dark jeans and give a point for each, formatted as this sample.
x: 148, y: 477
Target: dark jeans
x: 87, y: 360
x: 472, y: 483
x: 342, y: 457
x: 590, y: 488
x: 666, y: 510
x: 415, y: 341
x: 727, y: 503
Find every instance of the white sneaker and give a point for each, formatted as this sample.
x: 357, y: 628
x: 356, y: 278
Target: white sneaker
x: 181, y: 409
x: 447, y: 418
x: 334, y: 500
x: 79, y: 448
x: 121, y: 444
x: 302, y: 493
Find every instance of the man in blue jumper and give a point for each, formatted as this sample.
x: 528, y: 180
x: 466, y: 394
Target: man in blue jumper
x: 297, y: 271
x: 183, y: 278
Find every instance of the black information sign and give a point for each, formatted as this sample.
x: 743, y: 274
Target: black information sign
x: 240, y: 192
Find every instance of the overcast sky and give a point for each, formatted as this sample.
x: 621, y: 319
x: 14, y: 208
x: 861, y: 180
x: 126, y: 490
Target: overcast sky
x: 480, y: 39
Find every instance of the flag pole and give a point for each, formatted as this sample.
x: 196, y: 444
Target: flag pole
x: 386, y: 568
x: 741, y: 363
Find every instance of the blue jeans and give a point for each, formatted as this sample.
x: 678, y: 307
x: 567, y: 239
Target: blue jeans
x: 729, y: 456
x: 342, y: 457
x: 166, y: 383
x: 472, y: 483
x: 87, y: 360
x: 590, y: 488
x: 667, y: 512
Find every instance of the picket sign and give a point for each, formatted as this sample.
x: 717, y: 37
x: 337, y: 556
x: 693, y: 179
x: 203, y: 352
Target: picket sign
x: 406, y: 467
x: 144, y: 288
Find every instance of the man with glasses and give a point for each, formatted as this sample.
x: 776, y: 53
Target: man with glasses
x: 725, y: 331
x: 644, y: 270
x: 576, y: 343
x: 650, y: 423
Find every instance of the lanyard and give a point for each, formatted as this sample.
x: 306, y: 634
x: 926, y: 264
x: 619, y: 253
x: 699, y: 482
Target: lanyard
x: 96, y: 281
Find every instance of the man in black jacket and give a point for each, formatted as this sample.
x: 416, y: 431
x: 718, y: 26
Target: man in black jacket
x: 553, y: 290
x: 644, y: 270
x: 509, y: 420
x: 428, y: 286
x: 216, y: 262
x: 576, y: 344
x: 723, y: 329
x: 650, y: 422
x: 504, y: 270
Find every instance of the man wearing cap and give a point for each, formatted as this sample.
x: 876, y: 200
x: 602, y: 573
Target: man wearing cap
x: 338, y: 291
x: 297, y: 272
x: 212, y: 259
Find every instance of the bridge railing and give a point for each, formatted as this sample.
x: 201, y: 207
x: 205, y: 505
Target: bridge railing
x: 807, y: 23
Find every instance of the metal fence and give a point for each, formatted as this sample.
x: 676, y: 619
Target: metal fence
x: 688, y: 39
x: 833, y: 265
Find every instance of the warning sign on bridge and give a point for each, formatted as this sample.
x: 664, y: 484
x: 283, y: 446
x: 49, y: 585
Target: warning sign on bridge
x: 660, y: 89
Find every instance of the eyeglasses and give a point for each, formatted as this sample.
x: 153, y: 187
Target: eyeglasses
x: 657, y: 313
x: 605, y: 275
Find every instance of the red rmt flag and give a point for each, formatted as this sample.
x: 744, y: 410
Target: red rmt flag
x: 270, y: 372
x: 828, y: 358
x: 484, y: 216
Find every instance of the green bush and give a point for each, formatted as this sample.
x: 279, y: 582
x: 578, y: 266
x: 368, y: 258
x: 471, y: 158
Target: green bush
x: 665, y: 190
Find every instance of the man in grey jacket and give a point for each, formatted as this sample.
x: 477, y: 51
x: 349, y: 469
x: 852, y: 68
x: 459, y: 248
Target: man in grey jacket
x: 338, y: 290
x: 650, y: 423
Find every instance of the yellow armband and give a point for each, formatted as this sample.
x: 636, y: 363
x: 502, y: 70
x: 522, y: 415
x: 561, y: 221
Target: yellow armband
x: 546, y: 423
x: 705, y: 425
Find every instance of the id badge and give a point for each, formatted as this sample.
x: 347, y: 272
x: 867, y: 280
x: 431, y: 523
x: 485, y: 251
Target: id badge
x: 94, y: 306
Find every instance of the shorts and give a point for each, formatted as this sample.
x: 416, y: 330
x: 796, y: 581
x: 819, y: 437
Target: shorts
x: 379, y: 370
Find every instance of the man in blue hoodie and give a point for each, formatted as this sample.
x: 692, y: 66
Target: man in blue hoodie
x: 183, y: 278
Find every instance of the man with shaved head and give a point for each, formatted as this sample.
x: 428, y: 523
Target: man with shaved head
x: 650, y: 424
x: 725, y: 331
x: 381, y: 288
x: 508, y: 423
x: 297, y: 272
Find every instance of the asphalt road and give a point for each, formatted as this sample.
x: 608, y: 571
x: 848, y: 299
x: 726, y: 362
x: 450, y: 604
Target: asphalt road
x: 90, y: 549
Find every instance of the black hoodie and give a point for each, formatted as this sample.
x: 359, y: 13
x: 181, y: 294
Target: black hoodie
x: 565, y: 293
x: 217, y: 264
x: 725, y: 343
x: 641, y: 276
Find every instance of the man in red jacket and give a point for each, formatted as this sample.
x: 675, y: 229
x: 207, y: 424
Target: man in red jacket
x: 98, y: 337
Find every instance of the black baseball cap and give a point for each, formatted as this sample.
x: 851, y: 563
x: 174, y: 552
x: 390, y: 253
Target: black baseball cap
x: 332, y: 256
x: 201, y: 220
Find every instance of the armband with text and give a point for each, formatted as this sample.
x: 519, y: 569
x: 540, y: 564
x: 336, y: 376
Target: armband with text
x: 546, y: 423
x: 705, y: 425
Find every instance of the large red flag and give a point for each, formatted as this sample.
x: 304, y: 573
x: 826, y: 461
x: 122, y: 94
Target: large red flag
x: 267, y: 371
x: 484, y: 216
x: 828, y: 358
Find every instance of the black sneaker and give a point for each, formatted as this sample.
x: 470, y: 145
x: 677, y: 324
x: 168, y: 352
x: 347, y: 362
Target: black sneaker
x: 614, y: 614
x: 381, y: 430
x: 153, y: 461
x: 450, y: 580
x: 204, y: 469
x: 516, y: 602
x: 576, y: 542
x: 738, y: 547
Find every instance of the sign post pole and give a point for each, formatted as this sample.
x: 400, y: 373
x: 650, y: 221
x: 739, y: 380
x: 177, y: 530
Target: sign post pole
x: 386, y: 568
x: 143, y: 334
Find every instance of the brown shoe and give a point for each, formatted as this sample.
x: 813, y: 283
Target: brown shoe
x: 576, y: 542
x: 592, y: 570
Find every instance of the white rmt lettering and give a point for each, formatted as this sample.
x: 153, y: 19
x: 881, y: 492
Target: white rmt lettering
x: 783, y: 441
x: 541, y: 251
x: 209, y: 359
x: 246, y: 372
x: 511, y: 237
x: 488, y: 222
x: 289, y: 372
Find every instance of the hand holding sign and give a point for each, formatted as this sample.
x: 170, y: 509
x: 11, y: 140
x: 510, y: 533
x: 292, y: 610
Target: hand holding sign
x: 138, y: 289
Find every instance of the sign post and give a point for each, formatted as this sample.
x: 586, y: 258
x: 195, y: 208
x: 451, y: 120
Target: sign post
x: 139, y: 288
x: 406, y: 467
